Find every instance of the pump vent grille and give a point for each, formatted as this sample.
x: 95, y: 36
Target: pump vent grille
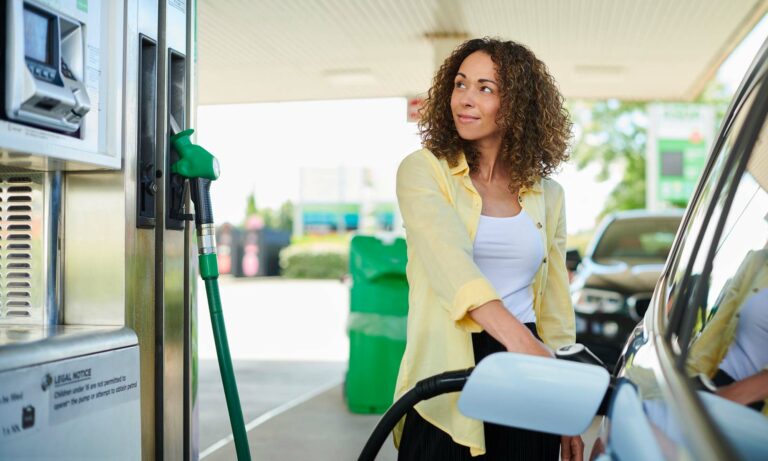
x: 22, y: 253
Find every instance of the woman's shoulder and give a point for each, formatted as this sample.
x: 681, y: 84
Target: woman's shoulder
x: 423, y: 159
x: 551, y: 187
x: 422, y: 156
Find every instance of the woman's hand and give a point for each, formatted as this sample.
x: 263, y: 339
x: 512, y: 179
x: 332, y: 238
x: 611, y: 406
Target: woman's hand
x: 506, y: 329
x: 571, y: 448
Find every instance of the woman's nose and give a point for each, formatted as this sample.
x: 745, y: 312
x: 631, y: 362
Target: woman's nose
x: 467, y: 99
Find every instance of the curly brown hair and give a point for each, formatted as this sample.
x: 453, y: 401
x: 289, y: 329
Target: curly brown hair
x: 536, y: 127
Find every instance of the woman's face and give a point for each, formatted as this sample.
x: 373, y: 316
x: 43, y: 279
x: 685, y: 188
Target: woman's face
x: 475, y: 99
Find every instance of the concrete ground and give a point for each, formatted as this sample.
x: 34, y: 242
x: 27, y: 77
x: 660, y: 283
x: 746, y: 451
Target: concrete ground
x: 289, y: 347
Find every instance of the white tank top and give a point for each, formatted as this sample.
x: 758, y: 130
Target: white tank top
x: 508, y: 252
x: 748, y: 354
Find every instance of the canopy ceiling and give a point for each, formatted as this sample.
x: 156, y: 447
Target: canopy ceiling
x: 283, y: 50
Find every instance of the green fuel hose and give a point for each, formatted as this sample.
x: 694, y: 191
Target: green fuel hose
x: 200, y: 167
x: 209, y: 271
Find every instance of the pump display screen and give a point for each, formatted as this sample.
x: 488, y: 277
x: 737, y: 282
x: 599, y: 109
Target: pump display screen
x: 36, y: 36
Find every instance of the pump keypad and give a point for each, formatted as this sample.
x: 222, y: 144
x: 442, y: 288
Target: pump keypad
x: 42, y: 72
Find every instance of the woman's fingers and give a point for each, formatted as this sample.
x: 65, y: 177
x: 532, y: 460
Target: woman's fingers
x: 565, y: 448
x: 577, y: 448
x: 571, y: 448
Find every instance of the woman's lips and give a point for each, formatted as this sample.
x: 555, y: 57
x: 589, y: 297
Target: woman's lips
x: 463, y: 118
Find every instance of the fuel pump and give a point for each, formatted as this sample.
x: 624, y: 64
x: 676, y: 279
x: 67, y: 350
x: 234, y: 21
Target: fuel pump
x: 97, y: 312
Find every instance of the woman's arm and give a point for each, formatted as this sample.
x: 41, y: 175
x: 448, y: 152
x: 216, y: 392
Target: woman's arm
x: 439, y: 239
x: 748, y: 390
x: 506, y: 329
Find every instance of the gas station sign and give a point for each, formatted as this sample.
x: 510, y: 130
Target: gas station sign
x: 681, y: 161
x: 679, y: 138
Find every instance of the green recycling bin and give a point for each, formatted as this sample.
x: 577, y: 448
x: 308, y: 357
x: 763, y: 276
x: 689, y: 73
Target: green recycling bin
x: 377, y: 322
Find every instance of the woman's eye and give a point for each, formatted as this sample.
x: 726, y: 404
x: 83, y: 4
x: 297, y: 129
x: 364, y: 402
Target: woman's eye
x: 486, y: 89
x: 458, y: 85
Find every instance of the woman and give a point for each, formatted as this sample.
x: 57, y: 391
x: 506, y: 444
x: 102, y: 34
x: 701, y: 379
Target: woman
x: 486, y: 243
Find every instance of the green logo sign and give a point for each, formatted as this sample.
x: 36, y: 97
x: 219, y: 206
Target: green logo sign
x: 82, y: 5
x: 681, y: 161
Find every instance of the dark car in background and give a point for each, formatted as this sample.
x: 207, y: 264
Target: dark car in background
x: 614, y: 281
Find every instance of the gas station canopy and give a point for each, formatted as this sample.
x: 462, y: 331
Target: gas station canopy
x: 283, y: 50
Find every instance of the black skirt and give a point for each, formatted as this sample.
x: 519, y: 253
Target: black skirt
x: 423, y: 441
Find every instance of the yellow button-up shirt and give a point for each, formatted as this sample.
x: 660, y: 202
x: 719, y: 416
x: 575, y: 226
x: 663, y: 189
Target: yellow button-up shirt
x: 708, y: 350
x: 441, y: 210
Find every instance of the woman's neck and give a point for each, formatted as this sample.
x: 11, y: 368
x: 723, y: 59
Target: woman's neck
x: 488, y: 166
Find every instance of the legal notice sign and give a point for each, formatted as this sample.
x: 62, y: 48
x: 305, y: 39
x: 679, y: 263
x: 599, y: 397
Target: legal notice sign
x: 90, y: 399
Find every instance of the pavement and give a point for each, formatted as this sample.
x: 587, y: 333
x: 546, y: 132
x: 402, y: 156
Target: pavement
x: 289, y: 348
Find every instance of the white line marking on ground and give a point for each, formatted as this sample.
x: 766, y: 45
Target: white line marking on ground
x: 271, y: 414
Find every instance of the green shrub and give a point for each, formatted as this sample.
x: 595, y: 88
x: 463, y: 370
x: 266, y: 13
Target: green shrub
x: 315, y: 260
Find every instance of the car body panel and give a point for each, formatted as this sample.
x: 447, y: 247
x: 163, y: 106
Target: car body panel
x: 631, y: 436
x: 746, y: 429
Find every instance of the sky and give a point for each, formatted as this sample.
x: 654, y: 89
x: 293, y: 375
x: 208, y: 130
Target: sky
x: 733, y: 69
x: 263, y: 148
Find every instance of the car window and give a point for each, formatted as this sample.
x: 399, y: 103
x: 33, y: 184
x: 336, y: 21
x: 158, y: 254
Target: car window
x: 637, y: 241
x: 729, y: 341
x: 686, y: 264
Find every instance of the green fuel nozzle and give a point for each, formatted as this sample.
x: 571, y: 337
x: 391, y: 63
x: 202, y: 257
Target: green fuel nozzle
x: 201, y: 168
x: 194, y: 160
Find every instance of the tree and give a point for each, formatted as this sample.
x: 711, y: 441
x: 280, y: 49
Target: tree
x: 250, y: 205
x: 281, y: 219
x: 613, y: 134
x: 285, y: 216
